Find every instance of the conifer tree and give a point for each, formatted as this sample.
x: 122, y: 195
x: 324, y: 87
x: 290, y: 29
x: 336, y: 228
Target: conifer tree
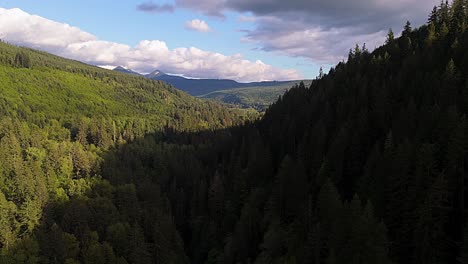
x: 390, y: 37
x: 458, y: 16
x: 407, y: 29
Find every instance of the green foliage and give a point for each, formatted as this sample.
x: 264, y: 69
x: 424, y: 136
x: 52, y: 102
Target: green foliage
x: 390, y: 36
x: 382, y: 144
x: 259, y: 98
x: 22, y: 60
x: 367, y: 164
x: 59, y: 122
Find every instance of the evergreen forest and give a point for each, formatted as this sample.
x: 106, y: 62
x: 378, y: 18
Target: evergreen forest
x: 367, y: 164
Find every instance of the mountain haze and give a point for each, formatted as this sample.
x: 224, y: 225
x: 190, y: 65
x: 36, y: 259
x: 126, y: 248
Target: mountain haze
x: 198, y: 87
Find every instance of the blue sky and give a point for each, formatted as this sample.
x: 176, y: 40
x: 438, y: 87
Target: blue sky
x: 282, y: 40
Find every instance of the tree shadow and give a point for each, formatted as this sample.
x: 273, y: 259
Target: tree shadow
x: 135, y: 210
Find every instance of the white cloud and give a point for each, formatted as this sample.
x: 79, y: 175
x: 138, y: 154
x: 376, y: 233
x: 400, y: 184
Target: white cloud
x: 197, y: 25
x: 21, y: 28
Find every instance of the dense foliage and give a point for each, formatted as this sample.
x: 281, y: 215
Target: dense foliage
x: 258, y: 98
x: 367, y: 165
x: 59, y: 120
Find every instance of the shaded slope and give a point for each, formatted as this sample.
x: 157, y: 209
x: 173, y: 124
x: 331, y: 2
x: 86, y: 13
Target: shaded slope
x: 367, y: 165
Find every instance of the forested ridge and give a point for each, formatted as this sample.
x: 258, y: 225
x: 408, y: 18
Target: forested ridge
x: 59, y: 120
x: 258, y: 98
x: 367, y: 165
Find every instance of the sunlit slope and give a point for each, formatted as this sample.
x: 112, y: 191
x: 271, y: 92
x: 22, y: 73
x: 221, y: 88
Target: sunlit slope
x: 37, y: 85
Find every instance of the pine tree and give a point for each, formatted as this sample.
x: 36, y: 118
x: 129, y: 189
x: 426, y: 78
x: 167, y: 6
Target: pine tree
x: 320, y: 76
x: 444, y: 12
x: 458, y: 17
x: 431, y: 35
x: 434, y: 16
x: 443, y: 31
x: 449, y: 91
x: 330, y: 212
x: 431, y: 244
x: 8, y: 222
x: 22, y: 60
x: 375, y: 236
x: 390, y: 37
x: 216, y: 197
x: 407, y: 29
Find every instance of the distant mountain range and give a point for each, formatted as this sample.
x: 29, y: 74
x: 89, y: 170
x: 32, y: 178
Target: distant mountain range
x: 199, y: 87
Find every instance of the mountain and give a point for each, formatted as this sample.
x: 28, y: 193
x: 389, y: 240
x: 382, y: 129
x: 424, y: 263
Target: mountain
x: 367, y: 164
x: 259, y: 98
x: 199, y: 87
x: 124, y: 70
x: 155, y: 74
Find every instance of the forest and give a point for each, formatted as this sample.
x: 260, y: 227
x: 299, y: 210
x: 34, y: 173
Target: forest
x: 365, y: 165
x: 59, y: 120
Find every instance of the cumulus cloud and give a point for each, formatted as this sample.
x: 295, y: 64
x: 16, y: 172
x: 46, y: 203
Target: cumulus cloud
x: 197, y: 25
x: 19, y: 27
x: 25, y: 29
x: 151, y: 7
x: 322, y: 31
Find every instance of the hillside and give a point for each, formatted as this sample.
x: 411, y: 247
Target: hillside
x: 366, y: 165
x: 59, y: 89
x: 59, y: 122
x: 259, y: 98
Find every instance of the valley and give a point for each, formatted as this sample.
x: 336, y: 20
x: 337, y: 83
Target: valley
x: 365, y: 164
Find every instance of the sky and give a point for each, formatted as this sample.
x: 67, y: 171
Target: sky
x: 244, y: 40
